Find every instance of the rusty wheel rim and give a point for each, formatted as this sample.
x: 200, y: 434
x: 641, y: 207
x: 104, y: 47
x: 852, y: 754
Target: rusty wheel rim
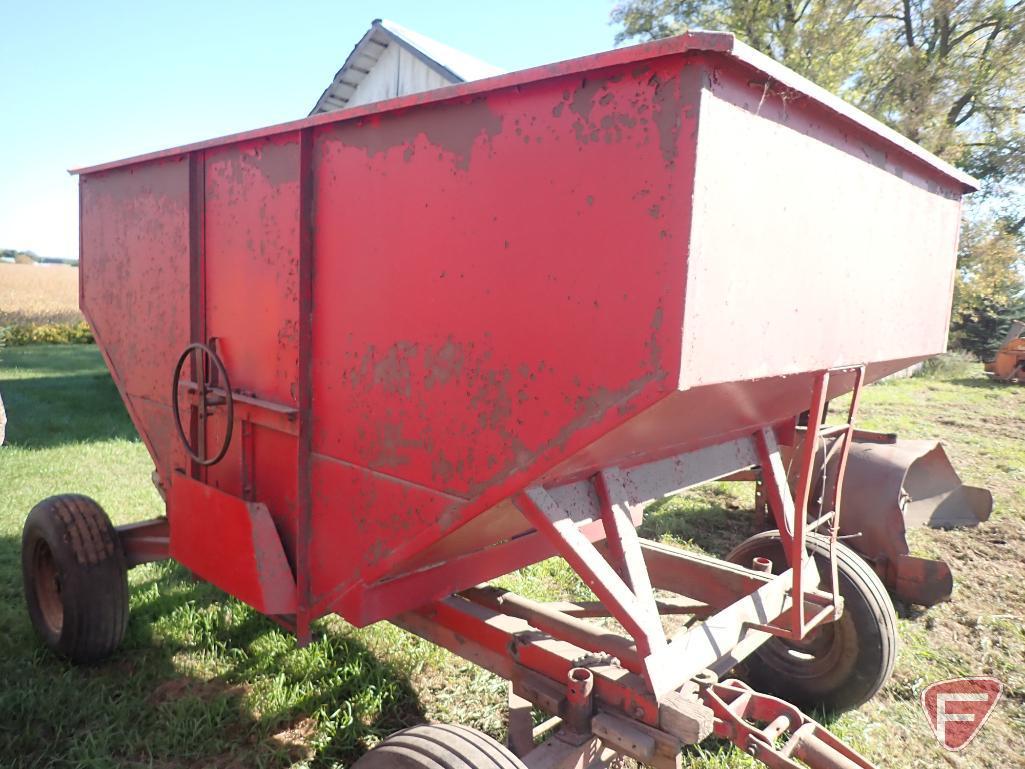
x: 46, y: 579
x: 818, y: 654
x: 815, y: 656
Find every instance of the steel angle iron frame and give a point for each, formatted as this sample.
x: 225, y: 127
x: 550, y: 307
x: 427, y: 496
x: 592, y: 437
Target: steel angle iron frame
x: 644, y: 694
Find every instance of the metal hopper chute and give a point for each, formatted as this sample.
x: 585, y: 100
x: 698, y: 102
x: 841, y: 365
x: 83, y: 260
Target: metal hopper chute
x: 891, y: 485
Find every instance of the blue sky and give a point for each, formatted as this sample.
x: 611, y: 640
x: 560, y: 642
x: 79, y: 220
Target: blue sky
x: 90, y: 81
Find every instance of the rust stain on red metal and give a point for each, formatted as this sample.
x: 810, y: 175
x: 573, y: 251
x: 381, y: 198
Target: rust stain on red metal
x: 527, y: 279
x: 446, y: 314
x: 433, y: 129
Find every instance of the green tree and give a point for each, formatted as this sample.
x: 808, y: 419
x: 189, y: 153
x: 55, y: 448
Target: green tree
x: 987, y: 290
x: 824, y: 41
x: 948, y: 74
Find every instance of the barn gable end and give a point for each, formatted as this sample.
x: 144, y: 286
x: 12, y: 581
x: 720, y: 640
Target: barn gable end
x: 390, y: 60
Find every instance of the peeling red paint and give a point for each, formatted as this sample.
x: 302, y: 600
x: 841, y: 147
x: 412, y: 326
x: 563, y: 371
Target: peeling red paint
x: 454, y: 296
x: 455, y: 138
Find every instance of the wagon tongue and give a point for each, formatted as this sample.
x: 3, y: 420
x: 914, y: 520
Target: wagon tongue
x: 786, y: 736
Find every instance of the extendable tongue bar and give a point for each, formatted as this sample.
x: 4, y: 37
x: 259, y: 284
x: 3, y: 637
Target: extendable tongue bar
x: 738, y: 708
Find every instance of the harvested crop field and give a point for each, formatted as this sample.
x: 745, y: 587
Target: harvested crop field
x: 38, y: 294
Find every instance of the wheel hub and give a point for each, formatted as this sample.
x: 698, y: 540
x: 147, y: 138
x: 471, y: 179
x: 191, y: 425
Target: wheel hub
x: 48, y: 587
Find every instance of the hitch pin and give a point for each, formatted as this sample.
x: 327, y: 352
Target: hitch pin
x: 776, y: 727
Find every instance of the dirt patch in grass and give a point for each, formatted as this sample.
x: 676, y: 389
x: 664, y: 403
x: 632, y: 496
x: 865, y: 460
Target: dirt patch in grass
x: 192, y: 688
x: 296, y: 739
x: 298, y: 733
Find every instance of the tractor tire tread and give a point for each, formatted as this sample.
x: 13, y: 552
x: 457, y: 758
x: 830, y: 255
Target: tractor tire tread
x: 92, y: 573
x: 439, y: 746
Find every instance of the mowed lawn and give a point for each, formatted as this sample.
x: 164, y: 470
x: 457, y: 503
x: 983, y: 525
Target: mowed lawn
x: 202, y: 681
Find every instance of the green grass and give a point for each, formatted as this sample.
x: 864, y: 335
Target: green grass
x: 203, y: 681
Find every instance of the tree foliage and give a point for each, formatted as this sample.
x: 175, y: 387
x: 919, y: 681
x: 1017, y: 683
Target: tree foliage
x: 948, y: 74
x: 987, y: 290
x: 795, y: 34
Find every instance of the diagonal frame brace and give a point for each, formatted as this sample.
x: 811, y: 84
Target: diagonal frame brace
x: 621, y: 537
x: 775, y: 485
x: 641, y: 620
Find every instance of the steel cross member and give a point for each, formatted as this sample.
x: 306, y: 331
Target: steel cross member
x: 621, y: 536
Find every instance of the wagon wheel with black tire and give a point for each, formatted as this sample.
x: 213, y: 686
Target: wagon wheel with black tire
x: 75, y: 577
x: 439, y: 746
x: 842, y: 664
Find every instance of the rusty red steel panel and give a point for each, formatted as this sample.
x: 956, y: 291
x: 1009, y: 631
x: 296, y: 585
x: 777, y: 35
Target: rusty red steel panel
x: 454, y: 296
x: 233, y: 544
x: 251, y: 302
x: 135, y: 286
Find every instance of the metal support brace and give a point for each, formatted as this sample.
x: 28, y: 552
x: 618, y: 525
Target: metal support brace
x: 621, y: 536
x: 791, y: 513
x: 637, y: 613
x: 521, y: 724
x: 790, y: 516
x: 774, y: 484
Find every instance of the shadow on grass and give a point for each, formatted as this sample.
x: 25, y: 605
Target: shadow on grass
x: 982, y: 384
x: 51, y: 411
x: 707, y: 519
x: 201, y: 680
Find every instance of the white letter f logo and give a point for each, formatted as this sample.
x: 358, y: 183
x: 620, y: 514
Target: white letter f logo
x: 943, y: 717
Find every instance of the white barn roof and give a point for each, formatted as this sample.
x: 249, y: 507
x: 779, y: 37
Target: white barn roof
x: 390, y: 61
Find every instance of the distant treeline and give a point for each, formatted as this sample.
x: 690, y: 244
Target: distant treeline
x: 31, y: 257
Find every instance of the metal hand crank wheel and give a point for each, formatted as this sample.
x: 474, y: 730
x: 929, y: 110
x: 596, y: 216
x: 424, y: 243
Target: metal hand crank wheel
x: 206, y: 356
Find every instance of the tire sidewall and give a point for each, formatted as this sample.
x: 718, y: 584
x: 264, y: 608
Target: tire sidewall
x: 432, y: 745
x: 866, y: 633
x: 87, y: 589
x: 40, y: 528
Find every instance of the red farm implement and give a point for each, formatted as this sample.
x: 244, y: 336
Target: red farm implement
x: 384, y: 355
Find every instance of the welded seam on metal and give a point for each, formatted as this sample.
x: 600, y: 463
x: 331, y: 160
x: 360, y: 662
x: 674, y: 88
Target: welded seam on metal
x: 390, y: 477
x: 304, y: 462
